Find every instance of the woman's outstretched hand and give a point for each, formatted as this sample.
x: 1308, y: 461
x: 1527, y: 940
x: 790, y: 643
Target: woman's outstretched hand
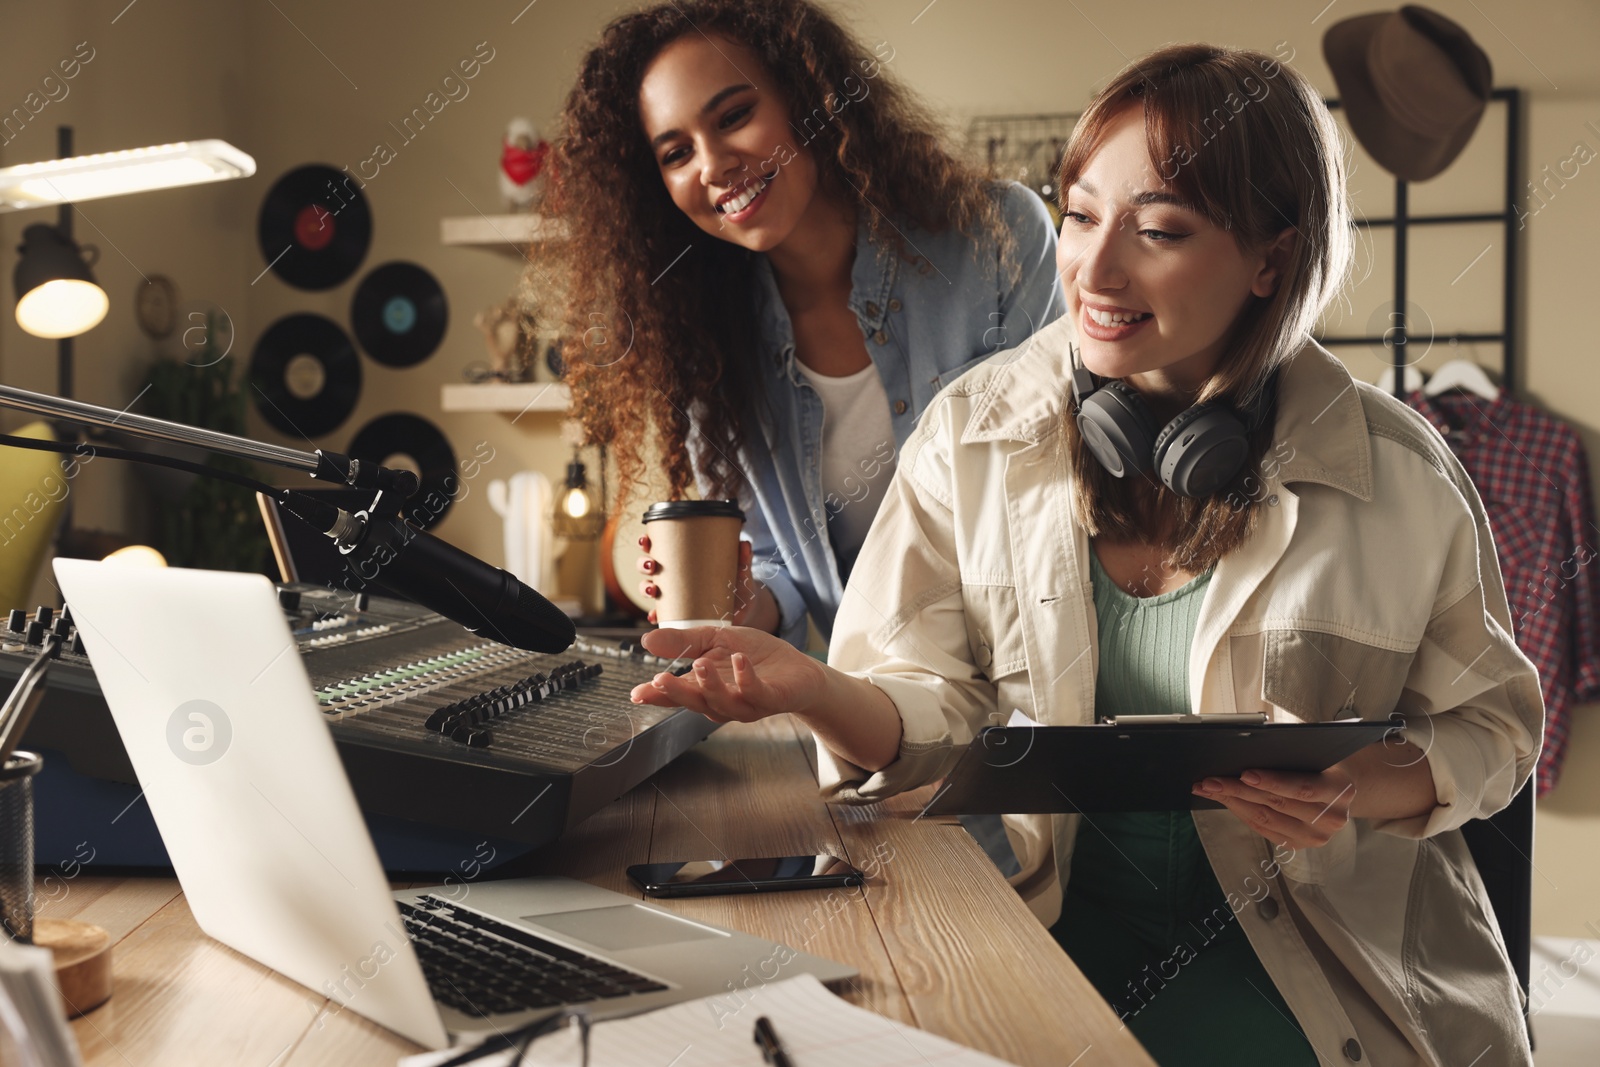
x: 738, y: 674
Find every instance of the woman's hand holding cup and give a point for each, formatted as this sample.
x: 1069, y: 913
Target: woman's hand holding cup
x: 753, y: 603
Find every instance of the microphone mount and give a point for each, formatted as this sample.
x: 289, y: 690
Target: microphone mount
x: 485, y: 599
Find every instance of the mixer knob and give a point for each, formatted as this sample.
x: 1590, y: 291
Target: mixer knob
x: 18, y: 621
x: 43, y: 615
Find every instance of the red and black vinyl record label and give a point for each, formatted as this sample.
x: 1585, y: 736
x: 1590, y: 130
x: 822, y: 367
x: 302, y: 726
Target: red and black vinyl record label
x: 315, y: 227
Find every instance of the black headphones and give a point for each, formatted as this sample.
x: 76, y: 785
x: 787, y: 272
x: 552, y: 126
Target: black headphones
x: 1195, y: 455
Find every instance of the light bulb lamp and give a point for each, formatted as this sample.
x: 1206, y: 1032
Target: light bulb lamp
x: 575, y: 502
x: 577, y: 518
x: 57, y: 295
x: 578, y: 523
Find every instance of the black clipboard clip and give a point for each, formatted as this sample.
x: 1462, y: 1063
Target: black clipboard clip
x: 1231, y: 718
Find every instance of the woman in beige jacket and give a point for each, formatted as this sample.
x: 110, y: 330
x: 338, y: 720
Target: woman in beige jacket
x: 1344, y: 567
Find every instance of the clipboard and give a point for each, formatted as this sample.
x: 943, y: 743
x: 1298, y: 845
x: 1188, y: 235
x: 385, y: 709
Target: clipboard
x: 1132, y: 766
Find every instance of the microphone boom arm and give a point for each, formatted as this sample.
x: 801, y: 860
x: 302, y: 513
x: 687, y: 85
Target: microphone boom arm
x: 485, y: 599
x: 321, y: 465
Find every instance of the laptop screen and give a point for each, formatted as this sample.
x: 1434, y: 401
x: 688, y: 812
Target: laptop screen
x: 219, y: 719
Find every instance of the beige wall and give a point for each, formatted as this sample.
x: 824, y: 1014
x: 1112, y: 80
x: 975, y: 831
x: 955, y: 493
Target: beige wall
x: 449, y: 168
x: 1562, y: 376
x: 168, y: 75
x: 298, y: 82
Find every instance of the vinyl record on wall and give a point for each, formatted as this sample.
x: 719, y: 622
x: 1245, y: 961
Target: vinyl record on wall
x: 306, y: 374
x: 399, y: 314
x: 315, y: 227
x: 411, y: 442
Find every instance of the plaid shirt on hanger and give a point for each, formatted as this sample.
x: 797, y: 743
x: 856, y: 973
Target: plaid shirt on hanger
x: 1532, y: 473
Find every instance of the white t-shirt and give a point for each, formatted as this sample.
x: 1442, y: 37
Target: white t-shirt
x: 858, y: 455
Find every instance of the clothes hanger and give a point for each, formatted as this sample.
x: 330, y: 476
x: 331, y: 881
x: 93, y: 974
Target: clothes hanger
x: 1461, y: 374
x: 1413, y: 379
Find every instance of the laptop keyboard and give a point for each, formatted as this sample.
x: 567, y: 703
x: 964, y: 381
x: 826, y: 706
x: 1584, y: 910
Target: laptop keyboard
x: 482, y: 966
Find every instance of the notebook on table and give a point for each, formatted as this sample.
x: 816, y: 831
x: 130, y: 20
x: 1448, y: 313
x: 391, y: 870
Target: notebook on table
x: 221, y: 723
x: 815, y: 1027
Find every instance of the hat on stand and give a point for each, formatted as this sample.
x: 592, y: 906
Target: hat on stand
x: 1413, y: 85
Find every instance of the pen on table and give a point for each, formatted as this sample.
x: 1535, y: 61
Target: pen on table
x: 772, y: 1049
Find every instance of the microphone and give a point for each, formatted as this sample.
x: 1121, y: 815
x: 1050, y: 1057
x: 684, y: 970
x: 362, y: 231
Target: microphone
x: 486, y: 600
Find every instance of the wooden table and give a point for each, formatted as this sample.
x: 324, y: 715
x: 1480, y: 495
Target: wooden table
x: 940, y: 939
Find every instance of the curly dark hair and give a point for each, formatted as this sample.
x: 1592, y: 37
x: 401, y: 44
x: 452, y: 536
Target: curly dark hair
x: 693, y: 330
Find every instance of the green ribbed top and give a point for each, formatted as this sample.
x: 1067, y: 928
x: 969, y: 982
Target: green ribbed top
x: 1141, y: 885
x: 1144, y: 646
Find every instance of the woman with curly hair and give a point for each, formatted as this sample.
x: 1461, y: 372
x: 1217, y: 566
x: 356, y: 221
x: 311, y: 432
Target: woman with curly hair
x: 793, y: 263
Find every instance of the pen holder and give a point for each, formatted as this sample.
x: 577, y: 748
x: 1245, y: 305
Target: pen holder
x: 16, y: 845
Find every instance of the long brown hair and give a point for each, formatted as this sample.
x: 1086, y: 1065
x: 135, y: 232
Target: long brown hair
x: 693, y: 329
x: 1250, y: 143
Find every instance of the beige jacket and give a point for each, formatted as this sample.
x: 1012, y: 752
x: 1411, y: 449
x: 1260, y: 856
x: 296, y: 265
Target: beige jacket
x: 1371, y: 586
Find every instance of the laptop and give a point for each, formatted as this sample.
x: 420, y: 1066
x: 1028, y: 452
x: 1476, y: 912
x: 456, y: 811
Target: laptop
x: 220, y: 721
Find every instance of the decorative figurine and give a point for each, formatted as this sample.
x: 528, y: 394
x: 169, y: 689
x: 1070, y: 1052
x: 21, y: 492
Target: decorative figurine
x: 522, y: 163
x: 509, y: 334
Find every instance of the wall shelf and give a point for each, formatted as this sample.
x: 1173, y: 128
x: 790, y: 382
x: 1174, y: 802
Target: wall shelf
x: 513, y: 398
x: 509, y: 234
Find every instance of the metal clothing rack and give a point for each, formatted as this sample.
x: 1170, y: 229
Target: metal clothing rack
x: 1501, y: 845
x: 1401, y: 222
x: 1022, y: 148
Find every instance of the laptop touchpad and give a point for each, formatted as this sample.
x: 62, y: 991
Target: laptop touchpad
x: 624, y: 926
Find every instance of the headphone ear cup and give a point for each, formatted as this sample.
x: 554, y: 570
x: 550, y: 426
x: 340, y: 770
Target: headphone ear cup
x: 1117, y: 428
x: 1201, y: 450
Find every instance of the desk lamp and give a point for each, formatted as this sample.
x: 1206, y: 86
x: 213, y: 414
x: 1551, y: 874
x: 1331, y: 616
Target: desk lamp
x: 56, y: 292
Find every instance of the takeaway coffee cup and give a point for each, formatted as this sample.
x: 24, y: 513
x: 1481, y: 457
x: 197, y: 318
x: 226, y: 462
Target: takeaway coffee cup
x: 696, y: 544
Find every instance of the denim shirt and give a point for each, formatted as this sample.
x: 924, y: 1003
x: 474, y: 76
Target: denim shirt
x: 923, y: 328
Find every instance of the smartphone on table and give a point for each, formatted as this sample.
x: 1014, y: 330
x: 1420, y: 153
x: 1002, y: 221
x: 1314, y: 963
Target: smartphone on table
x: 699, y: 878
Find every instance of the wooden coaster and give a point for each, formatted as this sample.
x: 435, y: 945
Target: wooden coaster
x: 83, y: 962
